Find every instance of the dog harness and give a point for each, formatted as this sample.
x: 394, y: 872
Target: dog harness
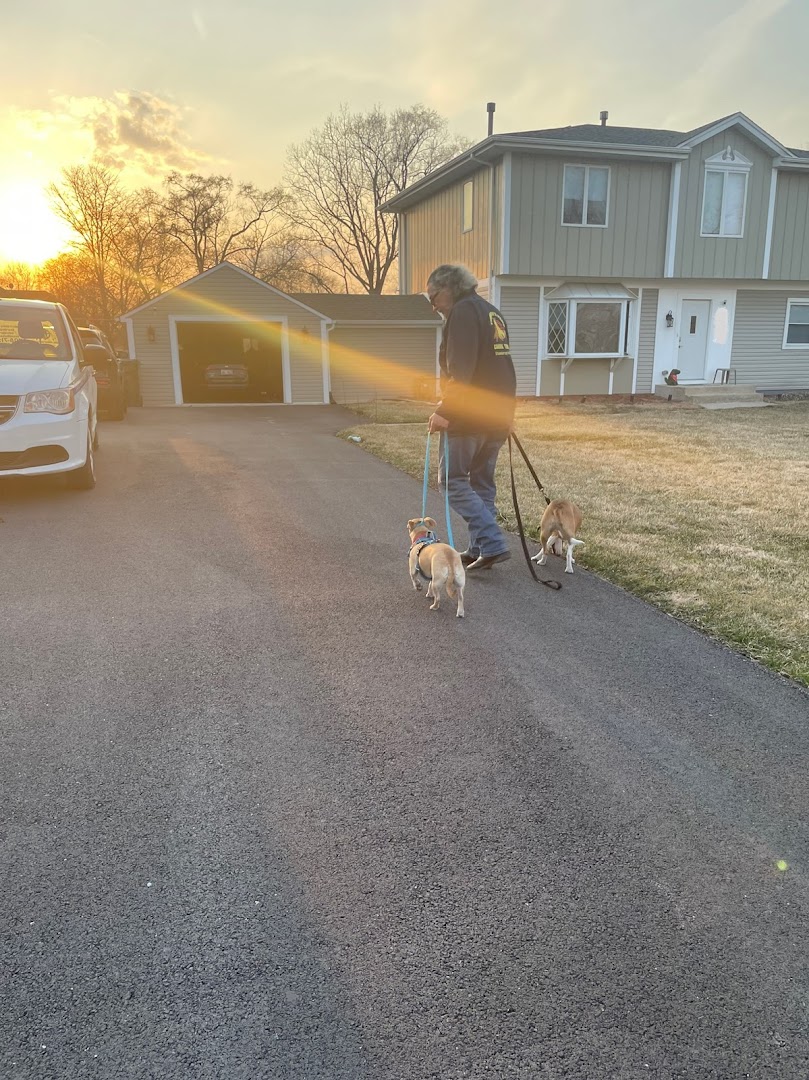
x: 422, y: 542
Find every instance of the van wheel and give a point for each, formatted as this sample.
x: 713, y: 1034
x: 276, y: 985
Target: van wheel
x: 84, y: 479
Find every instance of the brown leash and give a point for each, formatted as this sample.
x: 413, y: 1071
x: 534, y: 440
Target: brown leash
x: 541, y: 581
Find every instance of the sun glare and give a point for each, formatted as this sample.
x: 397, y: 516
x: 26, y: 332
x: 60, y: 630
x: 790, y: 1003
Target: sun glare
x: 29, y: 230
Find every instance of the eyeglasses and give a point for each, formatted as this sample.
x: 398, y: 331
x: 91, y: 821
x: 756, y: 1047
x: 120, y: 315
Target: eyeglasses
x: 431, y: 296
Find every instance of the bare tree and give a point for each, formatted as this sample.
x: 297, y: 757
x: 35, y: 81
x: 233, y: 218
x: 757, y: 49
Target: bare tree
x: 72, y: 277
x: 214, y: 220
x: 343, y: 172
x: 19, y: 275
x: 94, y: 203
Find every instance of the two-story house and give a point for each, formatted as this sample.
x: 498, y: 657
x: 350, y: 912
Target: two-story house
x: 619, y: 253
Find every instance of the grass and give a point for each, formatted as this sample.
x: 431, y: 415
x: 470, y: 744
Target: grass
x: 703, y: 513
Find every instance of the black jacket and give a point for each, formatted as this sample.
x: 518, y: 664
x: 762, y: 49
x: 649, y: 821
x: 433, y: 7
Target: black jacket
x: 478, y: 384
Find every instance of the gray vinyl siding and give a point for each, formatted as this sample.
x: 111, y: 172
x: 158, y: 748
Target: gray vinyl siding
x: 789, y: 260
x: 758, y: 333
x: 646, y: 341
x: 230, y: 295
x: 520, y: 308
x: 381, y: 361
x: 717, y: 256
x: 434, y: 233
x: 633, y: 243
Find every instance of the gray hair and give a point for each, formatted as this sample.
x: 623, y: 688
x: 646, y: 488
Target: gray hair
x: 454, y: 277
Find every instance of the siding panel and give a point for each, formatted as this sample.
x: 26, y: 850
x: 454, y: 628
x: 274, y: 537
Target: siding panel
x: 758, y: 334
x: 646, y: 341
x: 790, y: 248
x: 379, y: 361
x: 520, y: 308
x: 633, y: 243
x: 434, y: 233
x: 715, y: 256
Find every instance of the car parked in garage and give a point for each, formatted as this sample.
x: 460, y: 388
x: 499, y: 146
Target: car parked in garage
x: 227, y: 376
x: 110, y: 375
x: 48, y: 393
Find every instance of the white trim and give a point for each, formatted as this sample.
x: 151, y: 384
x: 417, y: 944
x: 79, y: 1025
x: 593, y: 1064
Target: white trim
x: 505, y: 233
x: 130, y: 338
x: 325, y: 360
x: 584, y: 224
x: 746, y: 124
x: 636, y: 340
x: 674, y: 215
x: 541, y: 338
x: 213, y: 270
x: 765, y: 269
x: 175, y: 353
x: 744, y: 171
x: 801, y: 301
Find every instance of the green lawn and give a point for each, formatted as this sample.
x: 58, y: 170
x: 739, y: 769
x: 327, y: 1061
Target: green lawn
x: 703, y: 513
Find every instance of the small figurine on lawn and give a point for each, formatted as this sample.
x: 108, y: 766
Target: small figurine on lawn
x: 670, y: 377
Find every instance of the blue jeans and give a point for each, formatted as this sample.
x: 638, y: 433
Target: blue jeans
x: 472, y: 491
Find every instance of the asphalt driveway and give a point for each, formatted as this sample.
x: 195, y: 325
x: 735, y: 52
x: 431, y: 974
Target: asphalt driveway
x: 263, y: 814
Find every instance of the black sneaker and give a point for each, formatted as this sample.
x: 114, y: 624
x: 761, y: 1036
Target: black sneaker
x: 486, y: 562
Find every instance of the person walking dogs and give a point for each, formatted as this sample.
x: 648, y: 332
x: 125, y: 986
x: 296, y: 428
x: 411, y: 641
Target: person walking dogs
x: 478, y: 389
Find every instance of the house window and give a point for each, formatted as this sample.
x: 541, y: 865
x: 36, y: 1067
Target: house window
x: 585, y: 195
x: 796, y: 329
x: 587, y: 328
x: 466, y: 212
x: 725, y: 194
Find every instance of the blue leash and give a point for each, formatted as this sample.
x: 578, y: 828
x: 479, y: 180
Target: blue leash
x: 450, y: 539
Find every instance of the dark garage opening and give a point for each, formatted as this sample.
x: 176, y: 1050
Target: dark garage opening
x: 230, y: 362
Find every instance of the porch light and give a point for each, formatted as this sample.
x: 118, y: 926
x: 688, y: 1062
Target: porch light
x: 669, y: 319
x: 150, y: 335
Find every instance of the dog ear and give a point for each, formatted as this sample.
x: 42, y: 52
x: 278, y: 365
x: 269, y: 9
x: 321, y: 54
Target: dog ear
x: 411, y: 523
x: 429, y: 522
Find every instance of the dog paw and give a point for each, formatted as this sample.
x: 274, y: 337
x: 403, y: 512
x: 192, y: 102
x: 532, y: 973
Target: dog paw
x: 568, y: 571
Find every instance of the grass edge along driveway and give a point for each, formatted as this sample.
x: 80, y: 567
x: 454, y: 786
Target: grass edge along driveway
x: 703, y: 513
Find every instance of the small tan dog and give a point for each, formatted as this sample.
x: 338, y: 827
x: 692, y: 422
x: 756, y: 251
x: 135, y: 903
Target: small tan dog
x: 438, y: 563
x: 560, y: 523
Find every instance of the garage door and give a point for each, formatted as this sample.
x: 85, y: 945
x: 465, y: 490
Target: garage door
x: 381, y: 362
x: 230, y: 361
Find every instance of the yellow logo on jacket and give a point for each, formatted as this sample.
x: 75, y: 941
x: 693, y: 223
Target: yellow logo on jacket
x: 499, y: 333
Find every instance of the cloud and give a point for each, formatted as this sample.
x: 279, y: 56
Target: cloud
x: 137, y: 127
x: 133, y: 130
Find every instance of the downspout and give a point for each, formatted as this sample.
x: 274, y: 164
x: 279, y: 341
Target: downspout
x: 490, y: 256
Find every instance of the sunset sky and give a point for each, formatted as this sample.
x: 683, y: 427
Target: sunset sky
x: 227, y: 87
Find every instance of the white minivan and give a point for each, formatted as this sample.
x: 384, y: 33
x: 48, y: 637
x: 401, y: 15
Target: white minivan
x: 48, y: 394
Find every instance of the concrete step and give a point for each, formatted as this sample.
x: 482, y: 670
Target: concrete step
x: 732, y: 404
x: 707, y: 389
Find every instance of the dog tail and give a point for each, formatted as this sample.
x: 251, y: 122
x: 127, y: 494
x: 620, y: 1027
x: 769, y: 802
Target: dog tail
x: 457, y: 579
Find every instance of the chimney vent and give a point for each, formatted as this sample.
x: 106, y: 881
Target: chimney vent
x: 604, y: 116
x: 490, y: 111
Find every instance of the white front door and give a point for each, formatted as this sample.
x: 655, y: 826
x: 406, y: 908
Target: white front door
x: 694, y: 316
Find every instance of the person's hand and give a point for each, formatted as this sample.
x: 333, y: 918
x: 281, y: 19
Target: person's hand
x: 437, y: 423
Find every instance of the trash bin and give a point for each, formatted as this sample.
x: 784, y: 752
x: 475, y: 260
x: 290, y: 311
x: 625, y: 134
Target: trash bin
x: 131, y: 370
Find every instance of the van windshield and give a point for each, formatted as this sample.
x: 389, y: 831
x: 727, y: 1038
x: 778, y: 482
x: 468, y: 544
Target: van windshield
x: 32, y: 334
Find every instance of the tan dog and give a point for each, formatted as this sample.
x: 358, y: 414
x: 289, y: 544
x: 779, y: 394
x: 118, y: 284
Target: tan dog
x: 439, y: 563
x: 560, y: 523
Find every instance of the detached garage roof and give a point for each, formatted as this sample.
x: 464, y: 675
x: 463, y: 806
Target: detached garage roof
x: 362, y: 308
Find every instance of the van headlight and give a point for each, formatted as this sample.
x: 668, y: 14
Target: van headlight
x: 50, y: 401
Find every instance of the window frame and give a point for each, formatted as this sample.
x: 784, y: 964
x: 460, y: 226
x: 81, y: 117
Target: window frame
x: 723, y: 171
x: 584, y: 224
x: 470, y: 186
x: 571, y: 306
x: 798, y: 301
